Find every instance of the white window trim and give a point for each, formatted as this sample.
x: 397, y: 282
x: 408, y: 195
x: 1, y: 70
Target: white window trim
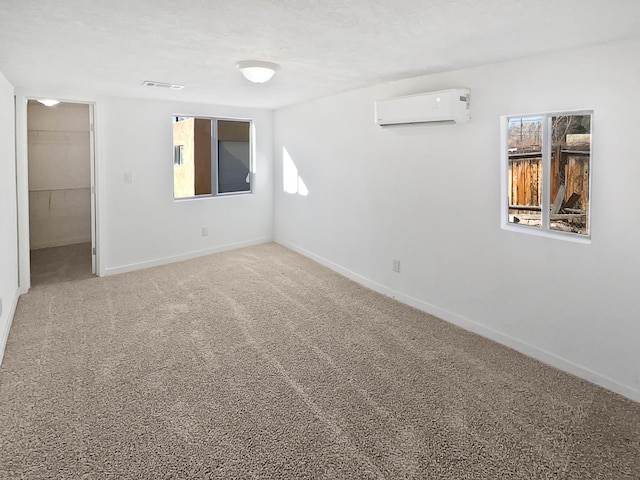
x: 543, y: 230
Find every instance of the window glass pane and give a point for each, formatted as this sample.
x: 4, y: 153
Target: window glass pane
x: 524, y: 180
x: 192, y: 176
x: 234, y: 156
x: 570, y: 166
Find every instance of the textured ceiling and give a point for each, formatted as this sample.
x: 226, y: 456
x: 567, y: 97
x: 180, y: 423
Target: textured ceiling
x: 323, y: 46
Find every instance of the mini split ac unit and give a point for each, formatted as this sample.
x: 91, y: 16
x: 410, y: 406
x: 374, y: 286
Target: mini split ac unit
x: 441, y: 106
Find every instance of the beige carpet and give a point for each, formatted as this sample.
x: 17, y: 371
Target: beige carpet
x: 259, y: 363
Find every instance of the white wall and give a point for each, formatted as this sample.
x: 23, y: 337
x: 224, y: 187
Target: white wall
x: 59, y: 174
x: 8, y: 219
x: 430, y: 196
x: 140, y: 222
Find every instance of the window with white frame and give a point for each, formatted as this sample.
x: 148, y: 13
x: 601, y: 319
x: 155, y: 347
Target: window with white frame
x: 546, y: 172
x: 212, y: 156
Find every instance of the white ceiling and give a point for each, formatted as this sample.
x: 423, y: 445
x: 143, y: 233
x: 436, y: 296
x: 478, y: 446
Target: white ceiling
x: 323, y: 46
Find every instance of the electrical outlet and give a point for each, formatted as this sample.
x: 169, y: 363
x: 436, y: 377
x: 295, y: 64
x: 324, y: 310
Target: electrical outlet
x: 205, y: 231
x: 396, y: 265
x: 127, y: 177
x: 0, y: 307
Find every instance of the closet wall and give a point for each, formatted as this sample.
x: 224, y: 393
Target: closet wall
x: 59, y: 174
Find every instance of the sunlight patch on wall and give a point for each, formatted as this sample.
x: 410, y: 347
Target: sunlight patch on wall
x: 291, y: 181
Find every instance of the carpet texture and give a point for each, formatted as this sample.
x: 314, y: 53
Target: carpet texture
x: 259, y: 363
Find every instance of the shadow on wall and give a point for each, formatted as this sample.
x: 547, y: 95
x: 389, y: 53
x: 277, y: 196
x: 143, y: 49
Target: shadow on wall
x: 292, y: 182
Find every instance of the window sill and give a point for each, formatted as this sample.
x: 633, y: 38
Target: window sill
x: 535, y: 231
x: 205, y: 197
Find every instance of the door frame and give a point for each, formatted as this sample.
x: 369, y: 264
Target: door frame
x: 22, y: 182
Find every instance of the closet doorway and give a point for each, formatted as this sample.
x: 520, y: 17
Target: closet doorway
x: 61, y: 151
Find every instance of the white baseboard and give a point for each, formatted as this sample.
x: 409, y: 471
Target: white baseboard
x: 7, y: 325
x: 178, y: 258
x: 478, y: 328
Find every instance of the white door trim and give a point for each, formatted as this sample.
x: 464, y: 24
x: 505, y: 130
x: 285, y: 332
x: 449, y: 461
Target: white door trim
x: 22, y: 184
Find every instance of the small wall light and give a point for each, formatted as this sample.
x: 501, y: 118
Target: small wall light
x: 256, y: 71
x: 49, y: 102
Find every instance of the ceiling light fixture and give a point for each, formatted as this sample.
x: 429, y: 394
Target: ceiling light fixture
x: 49, y: 102
x: 256, y: 71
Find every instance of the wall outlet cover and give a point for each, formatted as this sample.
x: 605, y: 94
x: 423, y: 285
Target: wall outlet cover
x: 396, y: 265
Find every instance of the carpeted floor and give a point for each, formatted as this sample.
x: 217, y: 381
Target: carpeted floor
x: 259, y: 363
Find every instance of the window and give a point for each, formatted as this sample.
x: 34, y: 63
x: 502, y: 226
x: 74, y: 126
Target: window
x: 546, y: 171
x: 211, y: 156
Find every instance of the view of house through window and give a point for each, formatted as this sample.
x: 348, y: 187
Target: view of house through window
x: 211, y: 156
x: 549, y: 158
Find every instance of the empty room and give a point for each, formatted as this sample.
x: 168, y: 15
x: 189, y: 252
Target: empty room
x: 319, y: 239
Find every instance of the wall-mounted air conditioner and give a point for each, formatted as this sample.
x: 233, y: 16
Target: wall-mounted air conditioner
x: 441, y: 106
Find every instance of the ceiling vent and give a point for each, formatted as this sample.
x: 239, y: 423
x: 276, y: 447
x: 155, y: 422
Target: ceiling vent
x: 170, y: 86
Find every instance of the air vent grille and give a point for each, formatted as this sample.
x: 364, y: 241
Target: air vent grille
x: 171, y: 86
